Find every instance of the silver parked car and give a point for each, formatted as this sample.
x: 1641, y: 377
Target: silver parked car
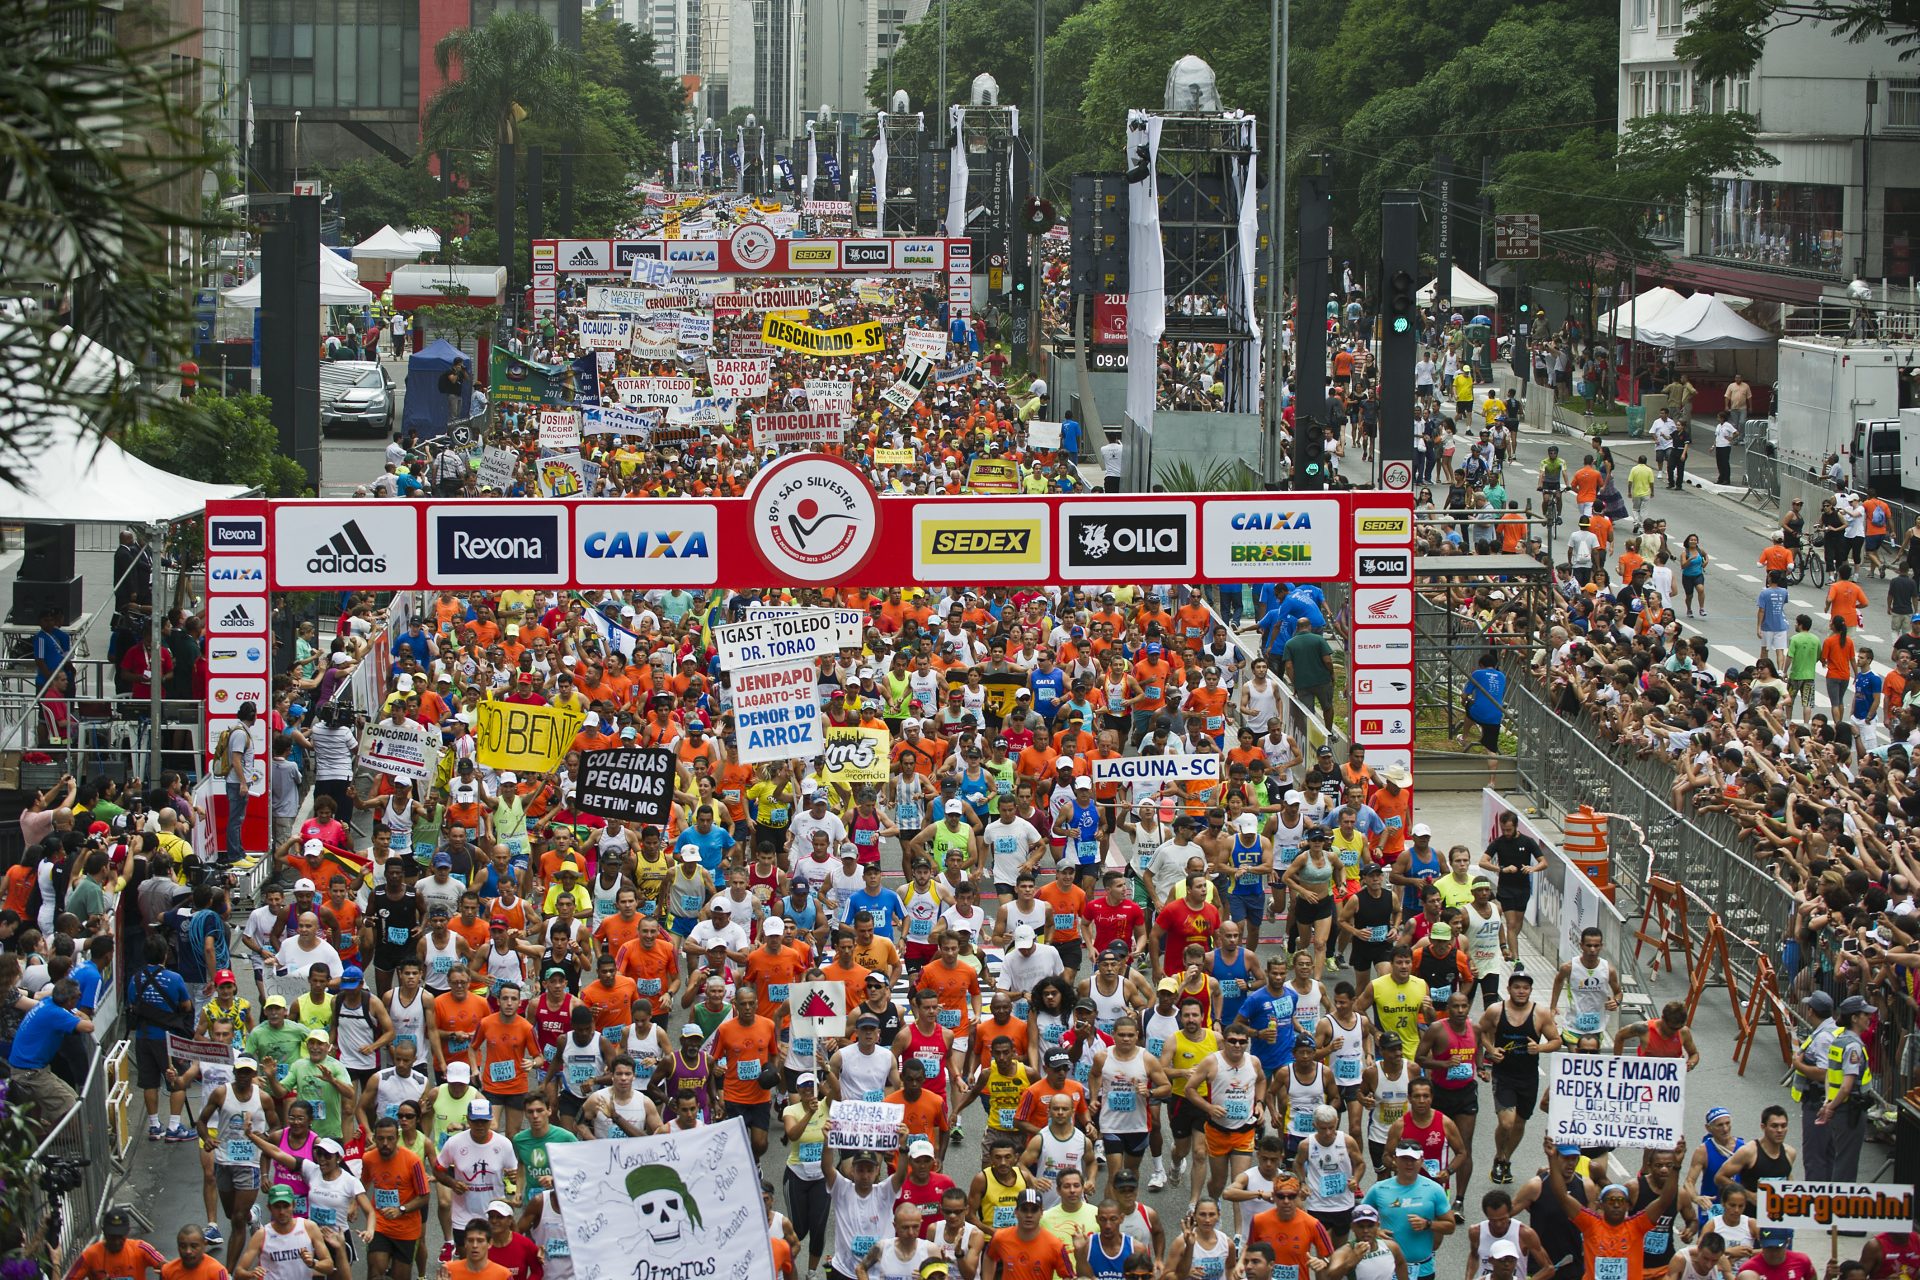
x: 356, y: 395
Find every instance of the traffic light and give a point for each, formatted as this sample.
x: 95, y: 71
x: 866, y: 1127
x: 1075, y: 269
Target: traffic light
x: 1037, y: 216
x: 1403, y: 312
x: 1526, y: 306
x: 1019, y: 287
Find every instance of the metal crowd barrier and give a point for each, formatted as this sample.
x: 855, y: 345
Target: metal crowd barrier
x: 1565, y: 762
x: 86, y: 1152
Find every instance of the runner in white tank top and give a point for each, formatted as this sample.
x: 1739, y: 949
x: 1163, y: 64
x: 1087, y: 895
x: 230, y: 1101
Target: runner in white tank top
x: 1261, y: 706
x: 410, y: 1021
x: 1390, y: 1101
x: 1034, y: 917
x: 1210, y: 1260
x: 353, y: 1031
x: 1303, y: 1098
x: 1108, y: 1007
x: 390, y: 1089
x: 440, y: 960
x: 1586, y: 995
x: 280, y: 1254
x: 1346, y: 1050
x: 648, y: 1049
x: 504, y: 969
x: 1329, y: 1170
x: 1158, y: 1030
x: 235, y: 1118
x: 1484, y: 948
x: 1261, y: 1184
x: 864, y: 1076
x: 399, y: 823
x: 1377, y: 1265
x: 550, y: 1234
x: 1488, y: 1238
x: 1057, y: 1155
x: 1123, y: 1092
x: 580, y: 1063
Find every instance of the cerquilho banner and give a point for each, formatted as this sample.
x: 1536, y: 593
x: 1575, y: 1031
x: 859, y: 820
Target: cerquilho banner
x: 1599, y: 1101
x: 855, y: 339
x: 1155, y: 770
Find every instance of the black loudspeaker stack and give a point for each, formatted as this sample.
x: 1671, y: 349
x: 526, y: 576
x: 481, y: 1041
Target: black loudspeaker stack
x: 46, y: 579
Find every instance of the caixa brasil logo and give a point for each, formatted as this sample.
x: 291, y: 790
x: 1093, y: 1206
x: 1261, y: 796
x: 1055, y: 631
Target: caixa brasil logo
x: 1276, y: 547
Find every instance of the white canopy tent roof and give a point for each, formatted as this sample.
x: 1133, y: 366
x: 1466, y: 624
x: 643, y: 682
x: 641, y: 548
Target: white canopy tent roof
x: 72, y: 476
x: 338, y: 286
x: 425, y: 238
x: 1642, y: 310
x: 1704, y: 323
x: 390, y: 244
x: 1467, y: 292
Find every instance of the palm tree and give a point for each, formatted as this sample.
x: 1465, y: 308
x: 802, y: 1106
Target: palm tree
x: 498, y: 75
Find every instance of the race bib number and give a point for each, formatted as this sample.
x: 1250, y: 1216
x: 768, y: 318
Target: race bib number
x: 1431, y: 1168
x: 1020, y: 1007
x: 647, y: 986
x: 1441, y: 995
x: 906, y: 815
x: 689, y: 904
x: 1003, y: 786
x: 930, y: 1064
x: 1333, y: 1184
x: 1002, y: 1216
x: 1155, y: 1044
x: 920, y: 928
x: 1003, y: 1119
x: 1657, y: 1242
x: 500, y: 1072
x: 1377, y: 933
x: 1609, y: 1269
x: 1005, y: 845
x: 948, y: 1018
x: 1120, y: 1100
x: 1232, y: 988
x: 324, y: 1217
x: 864, y: 837
x: 803, y: 1047
x: 1088, y: 851
x: 811, y: 1152
x: 559, y: 1247
x: 1346, y: 1071
x: 240, y: 1151
x: 873, y: 1095
x: 1460, y: 1071
x: 1585, y: 1022
x: 1240, y: 1110
x: 1064, y: 921
x: 319, y: 1106
x: 383, y: 1198
x: 747, y: 1069
x: 1288, y: 1272
x: 397, y: 935
x: 1300, y: 1122
x: 777, y: 992
x: 862, y: 1246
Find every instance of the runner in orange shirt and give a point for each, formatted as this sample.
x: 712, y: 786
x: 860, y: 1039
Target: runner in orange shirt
x: 652, y: 963
x: 117, y: 1255
x: 1026, y: 1251
x: 456, y: 1017
x: 958, y: 987
x: 396, y: 1181
x: 506, y: 1049
x: 611, y: 998
x: 1613, y: 1237
x: 774, y: 965
x: 748, y: 1046
x: 193, y: 1262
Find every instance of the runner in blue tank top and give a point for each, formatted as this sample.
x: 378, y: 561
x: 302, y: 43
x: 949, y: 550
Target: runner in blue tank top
x: 1231, y: 975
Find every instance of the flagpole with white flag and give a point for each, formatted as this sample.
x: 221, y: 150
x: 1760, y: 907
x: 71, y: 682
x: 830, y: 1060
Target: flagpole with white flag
x: 246, y: 153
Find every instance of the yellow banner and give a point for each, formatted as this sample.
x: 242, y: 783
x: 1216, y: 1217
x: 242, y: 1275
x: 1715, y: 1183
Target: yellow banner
x: 670, y: 225
x: 857, y: 756
x: 526, y: 739
x: 993, y: 475
x: 893, y: 457
x: 855, y: 339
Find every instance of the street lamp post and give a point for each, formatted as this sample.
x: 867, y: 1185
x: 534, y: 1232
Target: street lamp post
x: 1279, y: 36
x: 942, y: 113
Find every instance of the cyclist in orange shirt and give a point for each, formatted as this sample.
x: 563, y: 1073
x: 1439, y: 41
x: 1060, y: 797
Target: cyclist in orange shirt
x: 749, y: 1046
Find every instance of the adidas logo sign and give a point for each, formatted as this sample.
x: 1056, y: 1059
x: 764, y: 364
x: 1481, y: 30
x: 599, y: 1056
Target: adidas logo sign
x: 239, y: 618
x: 584, y: 256
x: 347, y: 551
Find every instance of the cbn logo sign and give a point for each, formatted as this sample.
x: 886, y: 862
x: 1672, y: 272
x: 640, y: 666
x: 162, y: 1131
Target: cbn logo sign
x: 1005, y: 539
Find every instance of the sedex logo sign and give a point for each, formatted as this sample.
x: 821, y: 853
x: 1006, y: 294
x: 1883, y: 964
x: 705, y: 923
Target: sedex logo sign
x: 486, y: 545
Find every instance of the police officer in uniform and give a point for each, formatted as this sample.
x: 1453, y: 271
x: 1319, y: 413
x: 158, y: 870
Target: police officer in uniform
x: 1809, y: 1085
x: 1848, y: 1080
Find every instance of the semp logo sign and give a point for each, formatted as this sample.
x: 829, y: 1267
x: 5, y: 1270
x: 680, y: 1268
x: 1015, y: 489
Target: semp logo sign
x: 483, y: 544
x: 1117, y: 541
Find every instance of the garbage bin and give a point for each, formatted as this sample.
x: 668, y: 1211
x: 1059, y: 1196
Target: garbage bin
x: 1636, y: 419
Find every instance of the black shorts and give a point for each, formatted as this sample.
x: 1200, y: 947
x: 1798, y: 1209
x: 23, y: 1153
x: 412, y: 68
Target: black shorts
x: 1124, y: 1144
x: 1071, y: 953
x: 1312, y: 912
x: 403, y: 1249
x: 1518, y: 1096
x: 150, y: 1060
x: 1364, y: 955
x: 758, y: 1115
x: 1490, y: 737
x: 1349, y: 1093
x: 1457, y: 1102
x: 1184, y: 1118
x: 1337, y: 1221
x: 518, y: 1101
x: 1515, y: 897
x: 568, y: 1104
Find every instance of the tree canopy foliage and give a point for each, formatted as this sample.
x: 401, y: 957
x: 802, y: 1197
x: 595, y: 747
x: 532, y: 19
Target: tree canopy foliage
x: 1725, y: 38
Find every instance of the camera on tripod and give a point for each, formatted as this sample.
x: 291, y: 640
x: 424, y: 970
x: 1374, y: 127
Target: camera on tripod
x: 61, y: 1174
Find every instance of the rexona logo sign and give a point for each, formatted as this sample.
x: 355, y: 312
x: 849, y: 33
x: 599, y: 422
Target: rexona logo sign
x: 1294, y: 538
x: 483, y: 545
x: 645, y: 544
x: 981, y: 541
x: 1112, y: 541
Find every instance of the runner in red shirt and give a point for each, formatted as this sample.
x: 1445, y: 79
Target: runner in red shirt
x: 508, y: 1248
x: 1189, y: 920
x: 1115, y: 917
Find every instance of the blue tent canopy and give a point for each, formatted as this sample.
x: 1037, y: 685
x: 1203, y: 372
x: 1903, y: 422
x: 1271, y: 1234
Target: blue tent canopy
x: 426, y: 410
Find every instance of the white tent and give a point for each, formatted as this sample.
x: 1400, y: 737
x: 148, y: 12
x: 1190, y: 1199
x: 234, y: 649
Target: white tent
x: 1643, y: 310
x: 1467, y: 292
x: 1704, y: 323
x: 72, y: 476
x: 388, y: 244
x: 338, y: 287
x: 426, y: 238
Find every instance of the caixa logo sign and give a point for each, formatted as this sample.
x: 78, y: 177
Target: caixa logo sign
x: 230, y: 575
x: 652, y: 544
x: 474, y: 545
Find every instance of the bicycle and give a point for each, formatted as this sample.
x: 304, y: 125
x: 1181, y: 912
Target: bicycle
x: 1806, y: 565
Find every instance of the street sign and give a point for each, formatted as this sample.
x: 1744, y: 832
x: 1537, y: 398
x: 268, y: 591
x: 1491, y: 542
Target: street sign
x: 1516, y: 235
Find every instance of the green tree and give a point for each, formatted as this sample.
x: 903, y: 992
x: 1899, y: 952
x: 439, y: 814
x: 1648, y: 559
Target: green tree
x: 220, y: 439
x: 499, y: 75
x: 615, y: 55
x: 376, y: 192
x: 102, y: 154
x: 1726, y: 37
